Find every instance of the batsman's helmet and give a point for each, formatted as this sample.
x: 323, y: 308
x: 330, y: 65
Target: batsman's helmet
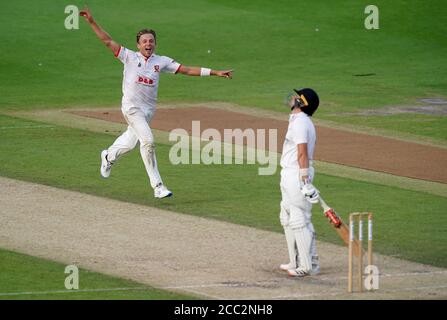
x: 308, y: 100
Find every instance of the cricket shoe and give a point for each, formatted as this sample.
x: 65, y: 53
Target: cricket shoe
x: 160, y: 191
x: 299, y: 272
x: 291, y: 266
x: 106, y: 165
x: 287, y: 266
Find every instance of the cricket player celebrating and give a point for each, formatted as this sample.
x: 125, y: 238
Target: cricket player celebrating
x: 297, y: 190
x: 142, y: 70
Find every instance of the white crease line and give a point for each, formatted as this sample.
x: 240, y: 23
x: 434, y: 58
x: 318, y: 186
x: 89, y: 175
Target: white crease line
x: 69, y: 291
x: 198, y: 293
x: 213, y: 285
x: 307, y: 295
x: 416, y: 288
x: 314, y: 278
x: 410, y: 274
x: 189, y: 288
x: 5, y: 294
x: 379, y: 291
x: 392, y: 275
x: 27, y: 127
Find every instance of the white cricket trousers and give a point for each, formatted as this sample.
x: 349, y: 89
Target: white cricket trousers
x: 295, y: 211
x: 137, y: 131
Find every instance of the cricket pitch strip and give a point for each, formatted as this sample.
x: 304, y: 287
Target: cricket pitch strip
x: 207, y: 258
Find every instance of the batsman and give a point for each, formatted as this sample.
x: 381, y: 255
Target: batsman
x: 298, y: 193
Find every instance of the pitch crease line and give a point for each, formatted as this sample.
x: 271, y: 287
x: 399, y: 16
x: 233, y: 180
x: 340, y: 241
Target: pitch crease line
x: 69, y: 291
x: 27, y: 127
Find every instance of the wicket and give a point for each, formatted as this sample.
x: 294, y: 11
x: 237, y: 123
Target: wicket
x: 359, y: 216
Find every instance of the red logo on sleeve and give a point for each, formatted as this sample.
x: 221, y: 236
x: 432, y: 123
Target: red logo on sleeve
x: 157, y: 68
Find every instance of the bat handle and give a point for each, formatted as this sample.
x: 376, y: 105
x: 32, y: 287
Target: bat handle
x: 323, y: 204
x: 330, y: 213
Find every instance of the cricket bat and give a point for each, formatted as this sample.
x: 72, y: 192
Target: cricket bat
x: 340, y: 227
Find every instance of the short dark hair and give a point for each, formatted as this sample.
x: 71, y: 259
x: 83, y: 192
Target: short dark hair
x: 146, y: 31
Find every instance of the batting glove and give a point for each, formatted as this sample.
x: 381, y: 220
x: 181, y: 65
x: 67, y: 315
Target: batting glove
x: 310, y: 193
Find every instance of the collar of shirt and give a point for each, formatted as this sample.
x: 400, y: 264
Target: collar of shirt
x: 293, y: 116
x: 140, y: 55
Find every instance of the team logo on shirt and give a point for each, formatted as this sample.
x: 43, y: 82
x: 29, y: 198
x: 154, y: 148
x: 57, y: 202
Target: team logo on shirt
x: 156, y: 68
x: 145, y: 81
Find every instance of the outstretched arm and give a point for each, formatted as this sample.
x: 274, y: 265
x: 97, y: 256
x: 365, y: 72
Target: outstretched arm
x: 197, y: 71
x: 102, y: 35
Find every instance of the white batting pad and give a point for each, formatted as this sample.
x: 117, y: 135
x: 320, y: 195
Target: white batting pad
x: 303, y: 238
x: 290, y: 239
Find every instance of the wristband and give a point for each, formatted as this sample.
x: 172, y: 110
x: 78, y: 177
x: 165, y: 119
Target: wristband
x: 205, y: 72
x: 304, y: 175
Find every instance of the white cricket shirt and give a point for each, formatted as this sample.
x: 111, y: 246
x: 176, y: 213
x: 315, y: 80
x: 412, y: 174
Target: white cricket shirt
x: 301, y: 130
x: 141, y: 77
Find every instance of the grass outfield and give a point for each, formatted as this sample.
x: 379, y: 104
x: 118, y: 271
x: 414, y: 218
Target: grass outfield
x: 409, y: 224
x: 272, y: 45
x: 25, y: 277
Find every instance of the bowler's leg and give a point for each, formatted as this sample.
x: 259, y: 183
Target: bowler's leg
x: 122, y: 145
x: 139, y: 123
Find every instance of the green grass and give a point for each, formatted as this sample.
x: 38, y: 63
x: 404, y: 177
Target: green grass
x: 272, y: 45
x: 430, y: 126
x: 409, y: 224
x: 25, y: 277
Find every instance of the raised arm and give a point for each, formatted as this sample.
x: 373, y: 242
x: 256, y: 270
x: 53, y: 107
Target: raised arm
x: 197, y: 71
x: 102, y: 35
